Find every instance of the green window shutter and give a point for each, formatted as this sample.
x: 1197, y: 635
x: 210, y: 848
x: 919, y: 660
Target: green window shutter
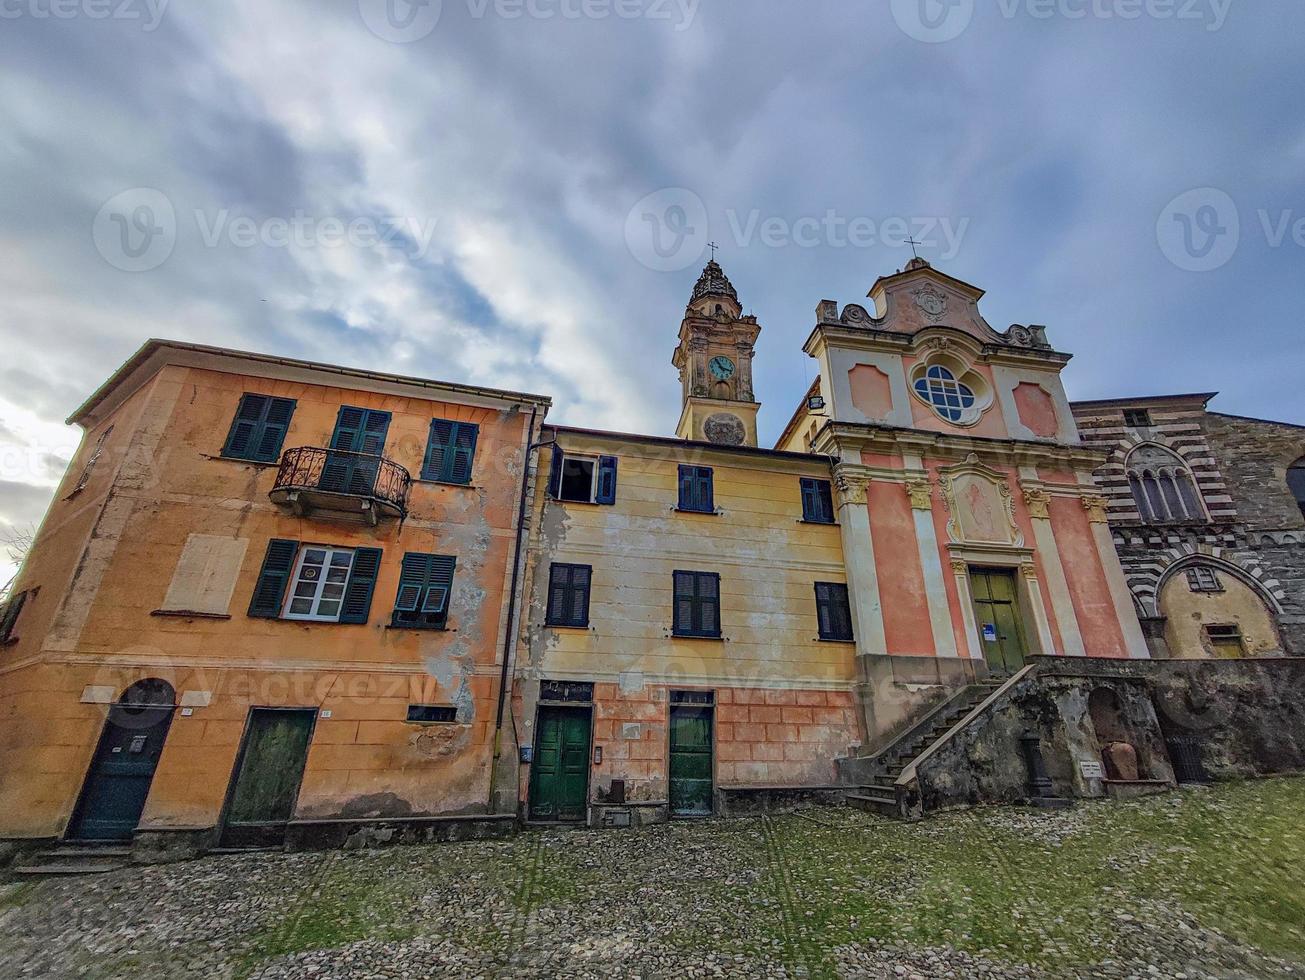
x: 697, y: 604
x: 450, y: 451
x: 425, y: 587
x: 348, y: 429
x: 273, y: 579
x: 259, y: 427
x: 358, y: 591
x: 276, y: 422
x: 465, y: 435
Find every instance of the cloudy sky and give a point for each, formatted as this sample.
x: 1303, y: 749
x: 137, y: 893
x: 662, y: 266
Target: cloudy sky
x: 518, y: 193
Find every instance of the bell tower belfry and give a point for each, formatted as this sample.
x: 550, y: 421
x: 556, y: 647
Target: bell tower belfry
x: 715, y: 361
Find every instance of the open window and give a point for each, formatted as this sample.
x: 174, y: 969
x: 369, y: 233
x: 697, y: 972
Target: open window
x: 582, y: 479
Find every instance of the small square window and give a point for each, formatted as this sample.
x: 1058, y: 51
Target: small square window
x: 1226, y: 640
x: 1203, y: 578
x: 1137, y: 418
x: 432, y: 714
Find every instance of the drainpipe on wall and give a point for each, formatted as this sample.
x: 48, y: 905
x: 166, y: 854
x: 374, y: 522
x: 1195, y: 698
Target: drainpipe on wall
x: 531, y: 446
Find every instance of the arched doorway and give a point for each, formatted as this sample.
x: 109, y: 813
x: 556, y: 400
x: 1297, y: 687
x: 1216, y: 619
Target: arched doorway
x: 118, y: 781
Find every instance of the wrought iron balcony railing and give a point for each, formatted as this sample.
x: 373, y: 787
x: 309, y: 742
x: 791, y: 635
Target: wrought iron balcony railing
x: 312, y: 478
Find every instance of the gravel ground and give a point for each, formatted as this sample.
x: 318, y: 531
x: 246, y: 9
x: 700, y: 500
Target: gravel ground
x: 823, y: 892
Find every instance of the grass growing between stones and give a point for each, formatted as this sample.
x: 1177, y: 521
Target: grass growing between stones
x: 1105, y: 882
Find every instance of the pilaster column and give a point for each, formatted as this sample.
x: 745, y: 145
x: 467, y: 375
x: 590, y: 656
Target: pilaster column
x: 920, y: 490
x: 1038, y: 502
x: 1095, y: 505
x: 859, y: 560
x: 1036, y: 605
x: 961, y: 571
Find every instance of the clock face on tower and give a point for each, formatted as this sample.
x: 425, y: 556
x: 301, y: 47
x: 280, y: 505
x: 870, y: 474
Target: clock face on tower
x: 722, y: 367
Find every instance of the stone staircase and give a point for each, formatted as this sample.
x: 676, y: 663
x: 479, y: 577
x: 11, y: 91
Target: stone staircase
x: 875, y: 777
x: 73, y: 859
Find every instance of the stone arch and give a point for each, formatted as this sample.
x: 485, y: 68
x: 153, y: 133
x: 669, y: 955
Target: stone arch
x: 1239, y: 618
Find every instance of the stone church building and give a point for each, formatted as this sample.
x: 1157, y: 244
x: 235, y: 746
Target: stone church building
x: 1207, y: 512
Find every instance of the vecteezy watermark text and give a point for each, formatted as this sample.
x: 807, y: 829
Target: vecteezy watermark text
x: 937, y: 21
x: 668, y: 230
x: 148, y: 12
x: 406, y: 21
x: 136, y: 231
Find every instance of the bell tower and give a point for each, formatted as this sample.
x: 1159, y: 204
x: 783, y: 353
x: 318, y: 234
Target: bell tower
x: 715, y: 361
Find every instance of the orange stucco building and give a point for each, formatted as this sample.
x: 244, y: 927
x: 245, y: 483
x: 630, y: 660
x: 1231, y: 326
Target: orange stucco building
x: 311, y: 564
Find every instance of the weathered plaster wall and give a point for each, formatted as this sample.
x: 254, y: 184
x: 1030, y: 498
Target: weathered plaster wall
x: 769, y: 562
x: 1187, y: 613
x: 365, y: 759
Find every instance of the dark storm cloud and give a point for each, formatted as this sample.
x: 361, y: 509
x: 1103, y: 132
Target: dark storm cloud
x: 508, y: 154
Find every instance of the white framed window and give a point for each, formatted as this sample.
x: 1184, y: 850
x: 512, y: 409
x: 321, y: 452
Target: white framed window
x: 579, y: 479
x: 952, y: 389
x: 317, y: 586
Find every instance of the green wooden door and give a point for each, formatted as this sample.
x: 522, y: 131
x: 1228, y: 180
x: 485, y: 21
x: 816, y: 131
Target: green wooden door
x: 266, y: 784
x: 691, y: 763
x: 559, y: 775
x: 996, y: 607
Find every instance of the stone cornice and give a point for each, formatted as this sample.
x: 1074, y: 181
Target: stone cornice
x: 841, y: 436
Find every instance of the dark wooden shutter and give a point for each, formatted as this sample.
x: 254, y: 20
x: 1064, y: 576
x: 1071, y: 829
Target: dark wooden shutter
x: 273, y: 579
x: 348, y: 429
x: 833, y: 613
x: 375, y: 427
x: 580, y: 576
x: 555, y: 472
x: 705, y: 495
x: 358, y: 591
x: 439, y: 585
x: 684, y: 602
x: 709, y: 604
x: 559, y: 589
x: 606, y: 480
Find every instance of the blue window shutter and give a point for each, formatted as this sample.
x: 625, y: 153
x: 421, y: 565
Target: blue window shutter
x: 606, y: 480
x: 439, y: 584
x: 273, y: 579
x: 686, y: 488
x: 412, y: 582
x: 362, y: 583
x: 706, y: 494
x: 425, y: 586
x: 375, y: 427
x: 464, y: 452
x: 555, y: 472
x: 810, y: 500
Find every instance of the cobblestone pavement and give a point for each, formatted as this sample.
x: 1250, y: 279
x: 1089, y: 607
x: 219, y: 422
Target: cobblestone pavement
x: 822, y: 892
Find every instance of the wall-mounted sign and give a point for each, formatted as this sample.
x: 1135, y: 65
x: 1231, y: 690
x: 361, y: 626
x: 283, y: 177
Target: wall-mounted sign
x: 1092, y: 770
x: 527, y: 753
x: 990, y: 631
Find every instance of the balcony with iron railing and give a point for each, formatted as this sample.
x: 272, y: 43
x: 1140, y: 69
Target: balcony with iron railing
x: 312, y: 479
